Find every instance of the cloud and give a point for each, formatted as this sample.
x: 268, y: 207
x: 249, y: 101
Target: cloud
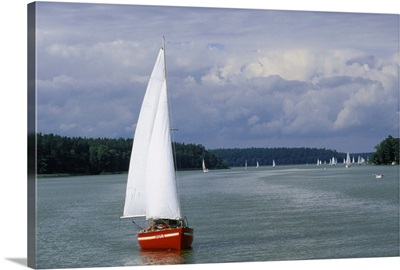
x: 215, y: 46
x: 368, y: 62
x: 67, y: 127
x: 345, y: 97
x: 264, y: 75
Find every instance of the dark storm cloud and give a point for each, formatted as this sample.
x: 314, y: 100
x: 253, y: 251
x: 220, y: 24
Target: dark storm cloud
x: 236, y: 77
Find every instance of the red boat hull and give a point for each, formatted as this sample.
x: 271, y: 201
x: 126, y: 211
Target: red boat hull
x: 177, y: 238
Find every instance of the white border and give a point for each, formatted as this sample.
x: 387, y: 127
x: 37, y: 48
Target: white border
x: 14, y: 135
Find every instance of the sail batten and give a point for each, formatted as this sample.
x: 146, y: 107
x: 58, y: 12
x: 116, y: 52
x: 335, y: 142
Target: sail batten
x: 151, y: 187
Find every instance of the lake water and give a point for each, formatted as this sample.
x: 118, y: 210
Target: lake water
x: 285, y: 213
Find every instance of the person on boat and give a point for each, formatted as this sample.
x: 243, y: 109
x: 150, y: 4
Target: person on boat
x: 162, y: 226
x: 151, y: 227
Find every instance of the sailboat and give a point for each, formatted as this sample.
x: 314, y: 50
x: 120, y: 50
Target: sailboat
x: 273, y: 163
x: 348, y: 161
x: 258, y: 165
x: 151, y: 190
x: 204, y: 166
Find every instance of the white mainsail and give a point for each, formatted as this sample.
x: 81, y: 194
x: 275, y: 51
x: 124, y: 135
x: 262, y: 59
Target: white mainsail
x: 151, y: 187
x: 273, y: 163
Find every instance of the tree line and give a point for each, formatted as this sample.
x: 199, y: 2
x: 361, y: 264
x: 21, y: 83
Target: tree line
x: 387, y: 152
x: 283, y: 156
x: 76, y: 155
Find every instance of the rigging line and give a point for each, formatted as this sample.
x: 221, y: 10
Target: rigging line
x: 137, y: 225
x: 165, y: 60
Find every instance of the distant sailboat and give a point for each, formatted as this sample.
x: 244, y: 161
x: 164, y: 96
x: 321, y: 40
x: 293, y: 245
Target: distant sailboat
x: 204, y: 166
x: 360, y: 160
x: 151, y: 190
x: 258, y: 165
x: 273, y: 163
x: 348, y: 161
x: 245, y: 164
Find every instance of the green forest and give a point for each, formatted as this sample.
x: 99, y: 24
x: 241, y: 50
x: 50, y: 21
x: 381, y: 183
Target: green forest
x: 283, y: 156
x: 387, y: 152
x: 76, y: 155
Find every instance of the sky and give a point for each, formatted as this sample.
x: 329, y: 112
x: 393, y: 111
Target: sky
x: 236, y: 77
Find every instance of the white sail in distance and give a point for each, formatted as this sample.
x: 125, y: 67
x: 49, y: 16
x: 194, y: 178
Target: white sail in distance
x: 348, y: 160
x: 203, y: 165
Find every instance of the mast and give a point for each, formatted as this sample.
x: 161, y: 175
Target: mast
x: 165, y: 60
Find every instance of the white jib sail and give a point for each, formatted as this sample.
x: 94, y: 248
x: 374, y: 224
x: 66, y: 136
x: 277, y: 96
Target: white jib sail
x: 142, y: 185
